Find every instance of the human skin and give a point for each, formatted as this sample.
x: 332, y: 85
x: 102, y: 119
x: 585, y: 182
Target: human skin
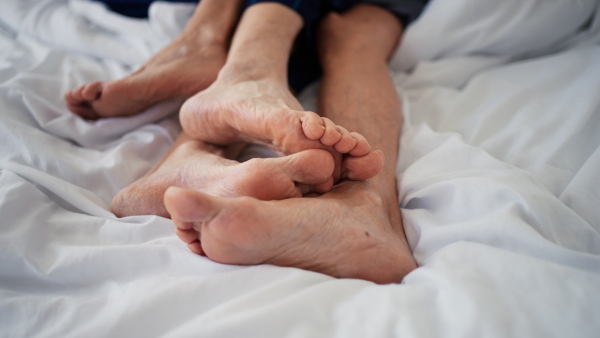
x: 208, y: 168
x: 353, y: 231
x: 250, y: 102
x: 190, y: 63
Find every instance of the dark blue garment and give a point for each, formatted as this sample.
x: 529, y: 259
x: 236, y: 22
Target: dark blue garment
x: 304, y: 66
x: 135, y: 8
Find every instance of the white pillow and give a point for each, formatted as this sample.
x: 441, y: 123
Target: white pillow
x: 503, y: 28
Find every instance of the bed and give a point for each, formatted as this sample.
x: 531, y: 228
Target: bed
x: 497, y: 181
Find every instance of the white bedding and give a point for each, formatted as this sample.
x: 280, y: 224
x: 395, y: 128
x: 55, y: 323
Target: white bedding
x: 497, y: 176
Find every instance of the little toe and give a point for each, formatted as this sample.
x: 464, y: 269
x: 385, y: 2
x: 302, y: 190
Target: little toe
x: 363, y: 167
x: 331, y: 135
x: 346, y: 143
x: 362, y: 146
x: 312, y: 125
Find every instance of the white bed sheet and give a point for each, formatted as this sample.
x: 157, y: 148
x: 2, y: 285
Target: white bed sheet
x: 497, y: 181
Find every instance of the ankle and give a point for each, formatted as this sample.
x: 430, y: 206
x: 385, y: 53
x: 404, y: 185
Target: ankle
x: 383, y: 186
x: 206, y: 33
x: 235, y: 72
x: 213, y: 22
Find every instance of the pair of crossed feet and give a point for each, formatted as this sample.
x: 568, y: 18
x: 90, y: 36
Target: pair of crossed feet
x: 253, y: 212
x: 316, y: 152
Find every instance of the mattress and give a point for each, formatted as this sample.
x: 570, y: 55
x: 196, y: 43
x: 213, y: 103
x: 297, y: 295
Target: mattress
x: 497, y: 181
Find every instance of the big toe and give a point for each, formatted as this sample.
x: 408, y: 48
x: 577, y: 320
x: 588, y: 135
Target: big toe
x: 188, y: 208
x: 312, y: 170
x: 363, y: 167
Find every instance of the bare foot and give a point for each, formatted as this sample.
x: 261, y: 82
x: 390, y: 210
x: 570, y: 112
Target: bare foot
x: 197, y: 166
x: 178, y: 71
x: 349, y: 232
x: 265, y: 112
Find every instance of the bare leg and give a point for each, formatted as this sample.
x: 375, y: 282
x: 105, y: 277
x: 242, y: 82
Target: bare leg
x: 196, y: 165
x: 357, y: 90
x: 187, y: 65
x: 355, y: 230
x: 250, y: 100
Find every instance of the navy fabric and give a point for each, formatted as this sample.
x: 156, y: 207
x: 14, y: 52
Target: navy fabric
x: 304, y: 66
x: 135, y: 8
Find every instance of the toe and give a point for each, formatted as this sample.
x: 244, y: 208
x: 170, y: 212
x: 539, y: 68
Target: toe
x: 312, y: 125
x: 187, y: 236
x: 191, y: 210
x: 324, y: 187
x: 362, y: 146
x: 91, y: 91
x: 84, y: 111
x: 288, y: 176
x: 331, y: 135
x: 363, y: 167
x: 189, y: 207
x: 196, y: 247
x: 264, y: 179
x: 346, y: 143
x: 312, y: 167
x: 75, y: 95
x: 78, y: 100
x: 70, y: 97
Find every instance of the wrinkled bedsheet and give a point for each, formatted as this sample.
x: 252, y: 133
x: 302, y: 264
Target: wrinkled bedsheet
x: 497, y: 179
